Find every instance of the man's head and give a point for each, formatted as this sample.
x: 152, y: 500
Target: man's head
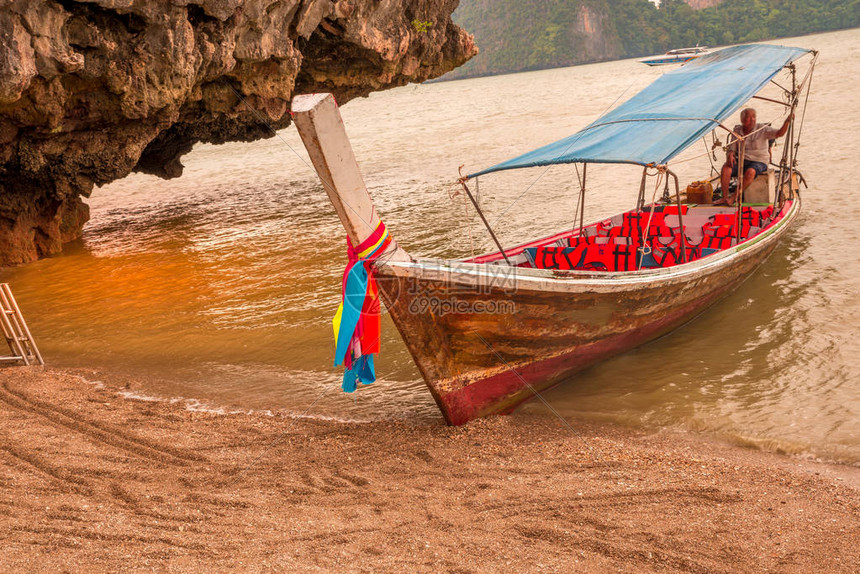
x: 748, y: 119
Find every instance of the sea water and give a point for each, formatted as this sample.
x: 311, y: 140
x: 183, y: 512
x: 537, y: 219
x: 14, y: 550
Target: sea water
x: 219, y: 286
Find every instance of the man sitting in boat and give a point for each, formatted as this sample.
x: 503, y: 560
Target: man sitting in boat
x: 756, y: 152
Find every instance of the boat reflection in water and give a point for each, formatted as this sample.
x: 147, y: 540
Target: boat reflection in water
x: 489, y: 333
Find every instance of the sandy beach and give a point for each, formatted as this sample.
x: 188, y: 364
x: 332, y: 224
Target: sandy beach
x: 92, y: 480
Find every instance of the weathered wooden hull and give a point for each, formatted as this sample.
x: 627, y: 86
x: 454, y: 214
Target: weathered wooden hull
x: 488, y: 337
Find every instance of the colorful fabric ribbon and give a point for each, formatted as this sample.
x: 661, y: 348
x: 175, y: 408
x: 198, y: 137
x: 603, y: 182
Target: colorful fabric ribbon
x: 357, y: 321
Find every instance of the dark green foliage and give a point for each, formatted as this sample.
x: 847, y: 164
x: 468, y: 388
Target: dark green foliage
x: 529, y: 35
x: 516, y: 35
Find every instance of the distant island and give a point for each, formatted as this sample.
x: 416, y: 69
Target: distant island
x: 521, y: 35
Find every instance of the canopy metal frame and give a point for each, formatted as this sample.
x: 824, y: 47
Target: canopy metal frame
x: 787, y: 162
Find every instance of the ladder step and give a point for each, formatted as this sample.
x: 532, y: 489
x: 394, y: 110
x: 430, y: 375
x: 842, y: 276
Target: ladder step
x: 15, y: 330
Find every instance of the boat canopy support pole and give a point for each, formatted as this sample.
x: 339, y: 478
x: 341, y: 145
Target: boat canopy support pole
x: 680, y: 214
x: 582, y: 202
x: 320, y: 125
x: 786, y: 104
x: 484, y: 219
x: 792, y: 161
x: 785, y: 160
x: 784, y: 176
x: 640, y: 203
x: 740, y: 194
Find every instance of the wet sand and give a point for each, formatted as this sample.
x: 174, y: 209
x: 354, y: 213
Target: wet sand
x: 95, y: 481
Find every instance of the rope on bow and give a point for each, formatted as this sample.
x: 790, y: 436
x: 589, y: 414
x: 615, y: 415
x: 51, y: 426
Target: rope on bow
x: 357, y: 322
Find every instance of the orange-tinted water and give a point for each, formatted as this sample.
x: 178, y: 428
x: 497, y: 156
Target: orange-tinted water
x: 220, y: 285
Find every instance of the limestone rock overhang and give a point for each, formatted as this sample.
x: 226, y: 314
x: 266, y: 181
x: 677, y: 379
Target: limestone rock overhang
x: 92, y: 90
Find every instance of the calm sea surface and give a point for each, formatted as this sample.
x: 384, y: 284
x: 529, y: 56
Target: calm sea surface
x: 220, y: 285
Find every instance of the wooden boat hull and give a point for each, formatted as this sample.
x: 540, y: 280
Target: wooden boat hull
x: 486, y: 338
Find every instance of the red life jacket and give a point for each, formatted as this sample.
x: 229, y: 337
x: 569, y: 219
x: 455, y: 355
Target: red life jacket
x: 720, y: 219
x: 710, y: 242
x: 608, y: 230
x: 752, y: 216
x: 669, y: 254
x: 598, y: 257
x: 559, y: 257
x: 758, y: 218
x: 653, y: 231
x: 749, y: 218
x: 712, y: 229
x: 611, y: 257
x: 625, y: 257
x: 602, y: 228
x: 635, y: 219
x: 634, y: 224
x: 592, y: 232
x: 586, y: 240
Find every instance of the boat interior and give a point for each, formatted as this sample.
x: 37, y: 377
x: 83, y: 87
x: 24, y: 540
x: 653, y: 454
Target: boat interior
x: 643, y: 239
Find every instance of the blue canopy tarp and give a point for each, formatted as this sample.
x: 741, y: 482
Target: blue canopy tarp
x: 662, y: 120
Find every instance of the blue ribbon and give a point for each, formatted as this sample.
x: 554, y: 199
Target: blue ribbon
x: 353, y: 302
x: 362, y: 371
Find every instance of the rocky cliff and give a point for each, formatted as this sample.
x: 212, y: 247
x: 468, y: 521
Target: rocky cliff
x: 519, y: 35
x: 91, y: 90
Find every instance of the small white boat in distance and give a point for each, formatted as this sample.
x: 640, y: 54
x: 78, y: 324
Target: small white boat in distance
x: 678, y: 56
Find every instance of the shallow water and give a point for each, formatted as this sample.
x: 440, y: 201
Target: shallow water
x: 220, y: 285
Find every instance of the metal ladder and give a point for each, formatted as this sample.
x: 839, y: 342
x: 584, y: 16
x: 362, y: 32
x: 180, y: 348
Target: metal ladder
x: 15, y: 329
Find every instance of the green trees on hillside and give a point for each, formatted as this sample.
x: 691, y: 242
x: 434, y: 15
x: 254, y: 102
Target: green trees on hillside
x: 517, y: 35
x: 735, y: 21
x: 644, y: 29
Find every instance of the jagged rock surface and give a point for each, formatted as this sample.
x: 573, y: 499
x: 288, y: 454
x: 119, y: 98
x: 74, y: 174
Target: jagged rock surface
x: 93, y: 90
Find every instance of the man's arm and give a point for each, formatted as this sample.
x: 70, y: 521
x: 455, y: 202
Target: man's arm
x: 784, y: 128
x: 731, y: 150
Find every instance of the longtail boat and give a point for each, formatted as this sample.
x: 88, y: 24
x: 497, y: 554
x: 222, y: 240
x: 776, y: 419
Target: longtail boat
x: 490, y: 332
x: 678, y: 56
